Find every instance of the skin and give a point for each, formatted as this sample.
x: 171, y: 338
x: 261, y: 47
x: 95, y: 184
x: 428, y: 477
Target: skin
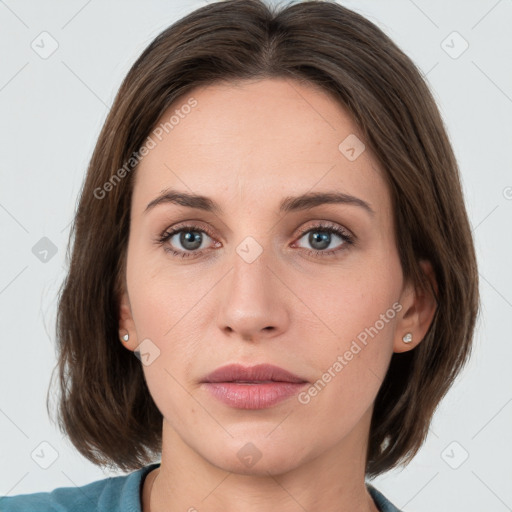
x: 247, y: 146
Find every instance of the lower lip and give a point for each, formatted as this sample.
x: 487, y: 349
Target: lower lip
x: 253, y: 396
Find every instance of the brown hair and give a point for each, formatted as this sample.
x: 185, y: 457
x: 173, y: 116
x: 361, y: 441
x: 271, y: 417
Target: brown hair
x: 105, y: 407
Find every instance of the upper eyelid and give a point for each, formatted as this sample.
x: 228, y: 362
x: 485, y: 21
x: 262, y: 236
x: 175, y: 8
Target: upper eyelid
x: 325, y: 225
x: 199, y: 225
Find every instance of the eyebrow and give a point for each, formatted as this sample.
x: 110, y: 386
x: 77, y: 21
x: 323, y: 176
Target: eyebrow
x: 288, y: 204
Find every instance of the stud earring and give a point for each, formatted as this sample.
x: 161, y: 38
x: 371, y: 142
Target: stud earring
x: 125, y: 337
x: 407, y: 338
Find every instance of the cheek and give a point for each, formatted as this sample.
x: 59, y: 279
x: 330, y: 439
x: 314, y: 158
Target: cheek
x: 351, y: 366
x: 350, y: 304
x: 357, y: 313
x: 162, y: 298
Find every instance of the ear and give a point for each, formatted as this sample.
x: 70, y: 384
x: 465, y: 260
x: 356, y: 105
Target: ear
x: 419, y: 307
x: 126, y: 323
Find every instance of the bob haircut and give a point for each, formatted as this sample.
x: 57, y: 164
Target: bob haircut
x: 104, y: 405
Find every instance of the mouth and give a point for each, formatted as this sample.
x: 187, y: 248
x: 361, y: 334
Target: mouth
x: 255, y: 387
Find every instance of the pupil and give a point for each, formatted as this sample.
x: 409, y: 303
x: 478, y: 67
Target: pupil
x: 322, y: 237
x: 190, y: 241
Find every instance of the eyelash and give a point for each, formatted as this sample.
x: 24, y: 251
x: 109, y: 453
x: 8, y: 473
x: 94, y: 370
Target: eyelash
x: 347, y: 238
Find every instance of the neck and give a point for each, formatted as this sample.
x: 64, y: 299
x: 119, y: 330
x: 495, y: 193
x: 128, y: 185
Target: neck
x: 331, y: 481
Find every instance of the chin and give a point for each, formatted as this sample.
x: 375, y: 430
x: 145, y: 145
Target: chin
x: 258, y: 457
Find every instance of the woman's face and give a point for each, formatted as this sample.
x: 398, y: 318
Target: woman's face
x: 259, y: 279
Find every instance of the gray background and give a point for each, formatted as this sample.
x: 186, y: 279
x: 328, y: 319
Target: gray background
x: 51, y: 112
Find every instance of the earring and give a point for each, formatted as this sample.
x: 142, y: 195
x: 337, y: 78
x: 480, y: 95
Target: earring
x: 407, y: 338
x: 125, y: 337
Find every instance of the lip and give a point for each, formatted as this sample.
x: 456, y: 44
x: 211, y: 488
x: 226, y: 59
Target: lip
x: 258, y: 373
x: 253, y: 387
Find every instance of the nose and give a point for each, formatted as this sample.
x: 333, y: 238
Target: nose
x: 253, y: 300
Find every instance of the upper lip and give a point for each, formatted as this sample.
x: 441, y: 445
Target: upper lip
x: 257, y: 373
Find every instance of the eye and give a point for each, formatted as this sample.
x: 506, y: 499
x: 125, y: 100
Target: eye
x: 321, y: 236
x: 189, y: 241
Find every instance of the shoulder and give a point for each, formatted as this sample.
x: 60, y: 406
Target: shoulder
x: 110, y: 494
x: 381, y: 501
x: 63, y: 499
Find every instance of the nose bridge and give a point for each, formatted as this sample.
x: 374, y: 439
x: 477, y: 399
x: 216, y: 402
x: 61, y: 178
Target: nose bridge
x: 251, y: 262
x: 252, y: 304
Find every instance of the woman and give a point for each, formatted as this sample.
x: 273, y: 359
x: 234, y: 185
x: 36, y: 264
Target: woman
x: 272, y: 222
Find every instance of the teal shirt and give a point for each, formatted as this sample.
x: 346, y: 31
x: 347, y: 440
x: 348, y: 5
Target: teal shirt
x: 114, y: 494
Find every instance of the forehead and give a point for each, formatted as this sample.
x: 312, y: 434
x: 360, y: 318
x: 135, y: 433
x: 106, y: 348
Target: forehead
x: 252, y: 142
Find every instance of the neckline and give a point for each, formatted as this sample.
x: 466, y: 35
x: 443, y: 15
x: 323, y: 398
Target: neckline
x: 144, y: 473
